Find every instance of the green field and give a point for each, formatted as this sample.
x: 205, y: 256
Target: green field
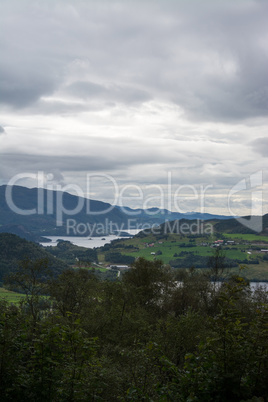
x: 175, y: 246
x: 247, y: 237
x: 90, y: 267
x: 11, y: 297
x: 168, y: 253
x: 171, y: 247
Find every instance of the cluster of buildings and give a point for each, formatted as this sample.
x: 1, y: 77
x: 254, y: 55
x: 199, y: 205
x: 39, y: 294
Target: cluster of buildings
x: 152, y: 244
x: 224, y: 243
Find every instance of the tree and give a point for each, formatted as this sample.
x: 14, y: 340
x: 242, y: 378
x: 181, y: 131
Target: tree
x: 74, y: 291
x: 30, y: 279
x: 217, y: 263
x: 149, y: 281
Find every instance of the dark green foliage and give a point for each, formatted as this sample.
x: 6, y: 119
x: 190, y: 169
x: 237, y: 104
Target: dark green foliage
x: 148, y: 282
x: 31, y: 278
x: 146, y: 337
x: 234, y: 226
x: 198, y: 261
x: 71, y: 253
x: 118, y: 258
x: 231, y: 364
x: 14, y: 249
x: 73, y: 292
x: 186, y: 245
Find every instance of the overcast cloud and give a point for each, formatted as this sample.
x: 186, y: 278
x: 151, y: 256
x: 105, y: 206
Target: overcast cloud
x: 145, y: 92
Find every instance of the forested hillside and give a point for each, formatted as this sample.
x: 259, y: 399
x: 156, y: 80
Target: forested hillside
x: 234, y: 226
x: 72, y: 254
x: 14, y: 249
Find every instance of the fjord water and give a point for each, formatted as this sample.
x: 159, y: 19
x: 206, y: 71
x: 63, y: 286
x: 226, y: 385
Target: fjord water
x: 88, y: 242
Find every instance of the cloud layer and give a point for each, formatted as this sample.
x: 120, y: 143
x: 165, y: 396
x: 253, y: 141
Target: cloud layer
x: 136, y: 90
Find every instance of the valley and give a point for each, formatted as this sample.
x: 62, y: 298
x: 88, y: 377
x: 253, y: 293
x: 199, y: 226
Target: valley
x: 193, y: 251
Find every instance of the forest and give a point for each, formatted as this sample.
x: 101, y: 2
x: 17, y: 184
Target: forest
x: 149, y: 336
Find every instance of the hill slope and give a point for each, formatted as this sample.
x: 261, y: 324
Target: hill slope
x: 14, y: 249
x: 211, y: 226
x: 235, y: 226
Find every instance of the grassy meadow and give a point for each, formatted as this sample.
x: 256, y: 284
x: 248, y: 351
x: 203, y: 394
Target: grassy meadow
x: 176, y: 246
x: 11, y: 297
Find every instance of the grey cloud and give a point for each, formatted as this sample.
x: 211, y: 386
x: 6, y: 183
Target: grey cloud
x: 30, y: 67
x: 221, y: 63
x: 260, y: 145
x: 115, y: 93
x: 211, y: 59
x: 2, y: 130
x: 35, y: 163
x: 86, y: 89
x: 58, y: 107
x: 27, y: 71
x: 20, y: 94
x: 96, y: 160
x: 56, y: 176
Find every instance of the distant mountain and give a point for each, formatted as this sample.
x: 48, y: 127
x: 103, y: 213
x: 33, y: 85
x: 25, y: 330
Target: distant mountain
x: 163, y: 215
x: 32, y: 213
x: 211, y: 226
x: 14, y: 249
x: 235, y: 226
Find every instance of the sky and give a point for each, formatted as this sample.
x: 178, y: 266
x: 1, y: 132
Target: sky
x: 137, y: 103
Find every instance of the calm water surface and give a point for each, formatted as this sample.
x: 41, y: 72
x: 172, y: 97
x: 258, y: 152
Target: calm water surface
x: 88, y: 242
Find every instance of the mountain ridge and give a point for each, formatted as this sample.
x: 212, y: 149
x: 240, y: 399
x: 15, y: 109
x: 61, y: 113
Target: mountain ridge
x: 38, y: 212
